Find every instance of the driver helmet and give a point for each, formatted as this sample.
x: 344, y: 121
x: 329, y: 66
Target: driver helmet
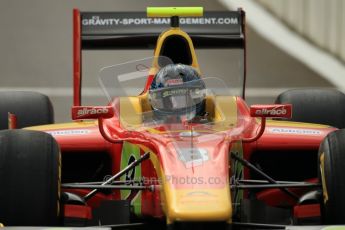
x: 177, y: 91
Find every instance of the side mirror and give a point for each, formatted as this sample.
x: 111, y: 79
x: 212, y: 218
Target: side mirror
x: 274, y: 111
x: 92, y: 112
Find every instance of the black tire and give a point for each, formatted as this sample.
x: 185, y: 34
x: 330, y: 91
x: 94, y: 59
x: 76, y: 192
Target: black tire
x: 29, y: 178
x: 321, y: 106
x: 332, y: 176
x: 31, y: 108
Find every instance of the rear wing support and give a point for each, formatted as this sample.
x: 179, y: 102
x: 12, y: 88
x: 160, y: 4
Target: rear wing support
x: 77, y: 58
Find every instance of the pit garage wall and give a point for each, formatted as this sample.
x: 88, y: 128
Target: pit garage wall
x: 320, y: 21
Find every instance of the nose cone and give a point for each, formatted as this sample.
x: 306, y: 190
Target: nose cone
x: 195, y: 182
x: 198, y: 204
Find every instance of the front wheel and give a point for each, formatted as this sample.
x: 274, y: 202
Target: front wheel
x: 332, y: 176
x: 29, y: 179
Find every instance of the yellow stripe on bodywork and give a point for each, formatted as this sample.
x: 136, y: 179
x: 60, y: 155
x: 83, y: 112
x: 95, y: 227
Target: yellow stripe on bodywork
x: 134, y: 110
x: 175, y: 31
x: 72, y: 125
x: 131, y: 110
x: 210, y: 205
x: 224, y: 109
x: 295, y: 124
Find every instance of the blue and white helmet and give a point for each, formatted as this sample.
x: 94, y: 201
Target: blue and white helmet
x: 177, y: 90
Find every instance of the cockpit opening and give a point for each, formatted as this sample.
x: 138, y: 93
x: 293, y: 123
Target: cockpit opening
x: 177, y: 49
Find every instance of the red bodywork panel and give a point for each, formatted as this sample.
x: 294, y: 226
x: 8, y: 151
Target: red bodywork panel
x: 77, y: 211
x: 307, y: 211
x: 278, y: 135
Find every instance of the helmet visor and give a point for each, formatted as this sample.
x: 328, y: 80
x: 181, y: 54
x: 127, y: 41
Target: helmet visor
x: 178, y: 97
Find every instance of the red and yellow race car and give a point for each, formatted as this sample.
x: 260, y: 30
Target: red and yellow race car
x: 173, y: 147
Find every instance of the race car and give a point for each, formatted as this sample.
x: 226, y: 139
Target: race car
x: 172, y: 148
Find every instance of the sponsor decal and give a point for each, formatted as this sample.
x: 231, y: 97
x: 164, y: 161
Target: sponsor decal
x: 295, y: 131
x: 174, y: 92
x: 176, y: 81
x: 91, y: 111
x: 209, y: 21
x: 283, y: 111
x: 271, y: 112
x: 98, y: 21
x: 69, y: 132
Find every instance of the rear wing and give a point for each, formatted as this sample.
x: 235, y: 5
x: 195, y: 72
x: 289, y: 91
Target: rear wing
x: 134, y: 30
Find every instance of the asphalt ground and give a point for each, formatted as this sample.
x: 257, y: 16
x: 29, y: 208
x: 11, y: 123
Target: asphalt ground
x: 36, y: 53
